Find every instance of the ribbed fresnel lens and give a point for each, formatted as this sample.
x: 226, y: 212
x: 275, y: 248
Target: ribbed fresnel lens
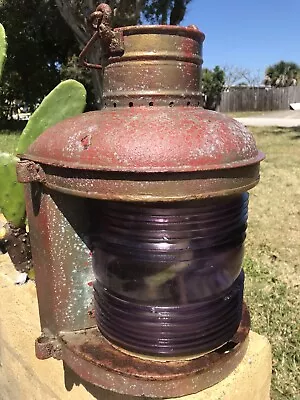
x: 168, y: 276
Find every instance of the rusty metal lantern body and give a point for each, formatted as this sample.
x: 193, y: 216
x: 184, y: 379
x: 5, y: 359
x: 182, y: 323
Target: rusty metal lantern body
x: 137, y: 220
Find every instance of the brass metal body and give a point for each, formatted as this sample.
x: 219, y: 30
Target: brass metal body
x: 152, y: 142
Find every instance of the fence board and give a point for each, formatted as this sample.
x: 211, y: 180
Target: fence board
x: 258, y: 99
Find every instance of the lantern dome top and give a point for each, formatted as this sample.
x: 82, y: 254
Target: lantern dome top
x: 152, y: 141
x: 147, y: 139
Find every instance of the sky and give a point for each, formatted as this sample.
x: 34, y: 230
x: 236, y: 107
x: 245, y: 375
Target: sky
x: 247, y: 34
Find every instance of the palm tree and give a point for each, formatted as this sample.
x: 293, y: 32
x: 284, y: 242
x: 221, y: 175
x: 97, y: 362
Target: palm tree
x: 282, y: 74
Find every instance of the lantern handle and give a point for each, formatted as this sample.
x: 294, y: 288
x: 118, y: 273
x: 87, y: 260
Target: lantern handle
x: 111, y: 42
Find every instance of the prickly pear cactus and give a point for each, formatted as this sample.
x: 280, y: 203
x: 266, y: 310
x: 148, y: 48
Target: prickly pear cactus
x: 3, y: 48
x: 66, y: 100
x: 12, y: 202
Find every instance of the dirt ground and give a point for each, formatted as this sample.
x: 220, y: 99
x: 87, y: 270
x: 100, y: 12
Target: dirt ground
x: 286, y: 114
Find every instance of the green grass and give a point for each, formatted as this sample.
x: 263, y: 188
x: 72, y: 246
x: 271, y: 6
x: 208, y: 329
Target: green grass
x: 8, y: 140
x: 272, y: 262
x: 274, y: 311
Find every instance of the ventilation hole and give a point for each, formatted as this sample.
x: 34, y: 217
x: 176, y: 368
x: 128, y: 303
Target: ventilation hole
x: 199, y: 104
x: 105, y: 104
x: 188, y: 103
x: 115, y: 105
x: 131, y: 104
x: 151, y: 104
x: 171, y: 104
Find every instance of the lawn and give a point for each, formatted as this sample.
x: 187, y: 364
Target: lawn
x: 8, y: 140
x: 272, y: 261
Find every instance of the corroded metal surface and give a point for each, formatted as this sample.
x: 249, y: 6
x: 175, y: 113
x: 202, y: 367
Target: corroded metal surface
x: 147, y: 139
x: 47, y: 346
x: 29, y: 171
x: 98, y: 362
x: 111, y: 41
x: 16, y: 242
x: 151, y: 142
x: 62, y: 259
x: 160, y: 66
x: 150, y: 187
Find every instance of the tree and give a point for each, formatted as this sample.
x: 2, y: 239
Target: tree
x: 164, y: 11
x: 39, y: 41
x: 213, y: 83
x: 283, y: 74
x: 43, y: 47
x: 239, y: 76
x: 126, y: 12
x: 72, y: 70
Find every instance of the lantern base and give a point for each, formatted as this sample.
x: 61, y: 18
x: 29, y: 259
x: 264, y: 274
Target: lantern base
x: 96, y: 361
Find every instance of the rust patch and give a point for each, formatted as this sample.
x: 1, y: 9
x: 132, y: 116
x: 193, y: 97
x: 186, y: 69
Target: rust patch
x: 16, y: 243
x: 86, y: 142
x: 92, y: 357
x: 151, y: 142
x: 28, y: 171
x: 47, y: 346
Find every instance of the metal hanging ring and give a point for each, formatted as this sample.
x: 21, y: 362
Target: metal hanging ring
x: 111, y: 41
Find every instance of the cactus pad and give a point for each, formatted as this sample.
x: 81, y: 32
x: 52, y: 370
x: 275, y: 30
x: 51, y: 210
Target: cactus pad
x: 66, y: 100
x: 3, y: 47
x: 12, y: 202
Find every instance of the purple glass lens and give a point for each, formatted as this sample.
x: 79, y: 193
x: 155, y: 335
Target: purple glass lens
x: 168, y: 276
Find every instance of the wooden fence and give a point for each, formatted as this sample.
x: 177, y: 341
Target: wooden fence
x: 258, y: 99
